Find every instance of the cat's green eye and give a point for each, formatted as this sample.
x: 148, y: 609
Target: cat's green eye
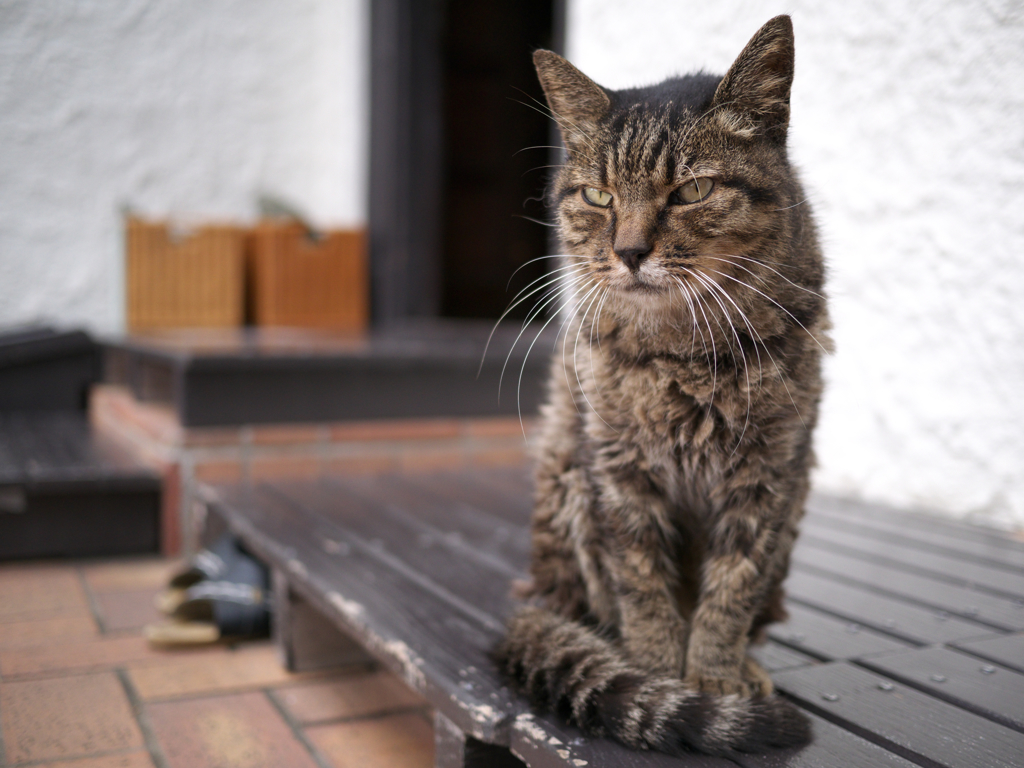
x: 597, y: 197
x: 694, y: 190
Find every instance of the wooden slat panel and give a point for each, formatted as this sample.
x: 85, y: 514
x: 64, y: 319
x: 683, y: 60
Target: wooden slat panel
x: 936, y: 565
x: 542, y: 741
x: 922, y: 728
x: 832, y: 747
x: 992, y: 691
x: 430, y: 560
x: 899, y: 618
x: 830, y: 638
x: 439, y: 649
x: 486, y: 532
x: 484, y: 490
x: 997, y: 612
x: 929, y: 534
x: 951, y: 528
x: 774, y: 656
x: 1007, y: 650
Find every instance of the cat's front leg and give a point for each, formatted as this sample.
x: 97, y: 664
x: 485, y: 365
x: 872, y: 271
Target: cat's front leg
x: 653, y: 633
x: 643, y: 579
x: 735, y: 579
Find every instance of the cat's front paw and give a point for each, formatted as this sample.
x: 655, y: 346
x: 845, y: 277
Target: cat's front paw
x: 719, y: 686
x: 753, y: 682
x: 754, y: 675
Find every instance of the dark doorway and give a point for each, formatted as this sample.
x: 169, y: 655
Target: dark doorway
x: 495, y: 150
x: 458, y: 155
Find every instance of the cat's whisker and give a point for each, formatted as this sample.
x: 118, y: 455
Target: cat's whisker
x: 564, y: 123
x: 711, y: 285
x: 537, y: 309
x: 682, y: 141
x: 746, y: 364
x: 535, y: 221
x: 542, y: 258
x: 540, y: 168
x: 575, y: 368
x: 773, y: 301
x: 519, y: 386
x: 516, y: 301
x: 782, y: 377
x: 536, y: 146
x: 685, y: 293
x: 759, y: 277
x: 794, y: 205
x: 563, y: 332
x: 714, y: 351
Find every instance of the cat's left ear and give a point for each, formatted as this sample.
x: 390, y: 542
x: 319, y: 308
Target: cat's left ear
x: 577, y: 103
x: 753, y: 97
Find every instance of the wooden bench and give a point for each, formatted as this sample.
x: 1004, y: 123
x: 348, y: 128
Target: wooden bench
x: 905, y: 645
x: 65, y: 491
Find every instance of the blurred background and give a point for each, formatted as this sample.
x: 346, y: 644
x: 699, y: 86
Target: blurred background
x: 403, y: 122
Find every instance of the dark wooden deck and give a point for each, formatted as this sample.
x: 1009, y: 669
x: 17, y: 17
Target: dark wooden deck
x: 905, y: 643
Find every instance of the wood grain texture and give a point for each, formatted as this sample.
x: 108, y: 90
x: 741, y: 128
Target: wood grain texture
x: 922, y: 728
x: 989, y: 690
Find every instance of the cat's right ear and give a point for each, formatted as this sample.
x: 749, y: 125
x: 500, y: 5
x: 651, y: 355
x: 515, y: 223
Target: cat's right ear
x: 577, y: 103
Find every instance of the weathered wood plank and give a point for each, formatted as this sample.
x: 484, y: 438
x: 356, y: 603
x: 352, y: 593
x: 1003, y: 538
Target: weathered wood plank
x: 497, y: 493
x: 306, y: 640
x: 1007, y: 650
x: 827, y: 637
x: 935, y: 565
x: 454, y: 749
x: 899, y: 618
x: 920, y: 532
x: 542, y: 741
x: 448, y: 517
x: 774, y: 656
x: 991, y: 691
x: 436, y: 646
x: 924, y: 729
x: 985, y: 608
x: 832, y: 747
x: 421, y: 553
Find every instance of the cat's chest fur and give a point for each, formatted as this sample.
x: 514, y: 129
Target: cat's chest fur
x: 670, y: 414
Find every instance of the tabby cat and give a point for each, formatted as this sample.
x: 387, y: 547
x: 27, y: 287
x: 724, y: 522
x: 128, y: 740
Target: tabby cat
x: 676, y: 444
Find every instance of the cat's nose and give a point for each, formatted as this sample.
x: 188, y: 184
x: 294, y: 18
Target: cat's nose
x: 633, y: 254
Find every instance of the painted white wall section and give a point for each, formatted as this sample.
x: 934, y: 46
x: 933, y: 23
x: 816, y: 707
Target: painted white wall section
x: 908, y: 124
x: 186, y: 110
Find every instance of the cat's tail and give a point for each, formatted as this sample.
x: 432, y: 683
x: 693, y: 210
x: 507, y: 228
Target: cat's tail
x: 563, y: 666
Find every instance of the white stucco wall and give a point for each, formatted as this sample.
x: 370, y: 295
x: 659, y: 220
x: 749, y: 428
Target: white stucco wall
x: 183, y: 109
x: 908, y: 123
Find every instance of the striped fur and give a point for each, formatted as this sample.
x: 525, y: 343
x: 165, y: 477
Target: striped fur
x: 675, y: 449
x: 570, y: 669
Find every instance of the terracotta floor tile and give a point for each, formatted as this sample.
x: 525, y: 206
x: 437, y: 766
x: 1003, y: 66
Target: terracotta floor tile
x: 128, y: 610
x: 28, y: 592
x: 248, y: 667
x: 349, y: 696
x: 78, y: 656
x: 61, y: 629
x: 239, y: 731
x: 66, y: 717
x: 131, y: 575
x: 395, y: 741
x: 127, y: 760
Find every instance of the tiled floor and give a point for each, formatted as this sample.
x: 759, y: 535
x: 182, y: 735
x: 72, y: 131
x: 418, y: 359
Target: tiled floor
x: 80, y: 688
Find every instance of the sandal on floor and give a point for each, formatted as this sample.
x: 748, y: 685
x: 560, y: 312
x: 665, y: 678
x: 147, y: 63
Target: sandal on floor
x: 209, y: 564
x: 236, y: 606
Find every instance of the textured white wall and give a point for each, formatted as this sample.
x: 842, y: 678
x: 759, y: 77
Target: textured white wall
x: 908, y: 124
x: 185, y: 109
